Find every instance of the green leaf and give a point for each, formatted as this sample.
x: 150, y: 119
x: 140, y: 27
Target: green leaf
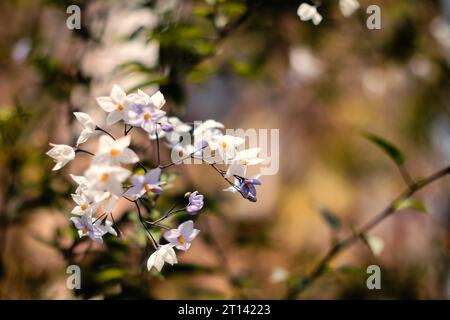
x: 411, y: 203
x: 333, y: 221
x: 391, y: 150
x: 110, y: 274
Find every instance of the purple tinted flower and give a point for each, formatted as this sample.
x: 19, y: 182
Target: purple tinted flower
x: 195, y: 203
x: 145, y: 183
x: 248, y: 190
x: 146, y: 116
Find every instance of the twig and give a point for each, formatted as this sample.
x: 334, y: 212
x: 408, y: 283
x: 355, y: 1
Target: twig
x: 346, y: 242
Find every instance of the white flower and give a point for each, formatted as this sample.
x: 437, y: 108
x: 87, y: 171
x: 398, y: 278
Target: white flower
x: 308, y: 12
x: 238, y: 165
x: 157, y: 99
x: 182, y: 237
x: 115, y: 151
x: 279, y: 275
x: 107, y: 201
x: 82, y: 183
x: 62, y: 154
x: 179, y: 129
x: 106, y: 178
x: 165, y: 253
x: 348, y: 7
x: 83, y: 204
x: 88, y: 126
x: 116, y: 104
x: 227, y: 146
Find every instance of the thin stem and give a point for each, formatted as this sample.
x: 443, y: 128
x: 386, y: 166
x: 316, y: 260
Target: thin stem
x: 84, y: 151
x: 346, y: 242
x: 405, y: 175
x: 157, y: 146
x: 104, y: 131
x: 141, y: 219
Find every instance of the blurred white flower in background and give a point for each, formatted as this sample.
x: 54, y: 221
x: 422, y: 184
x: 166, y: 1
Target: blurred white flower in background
x: 308, y: 12
x: 440, y: 30
x: 304, y: 64
x: 348, y: 7
x: 21, y: 50
x: 279, y: 275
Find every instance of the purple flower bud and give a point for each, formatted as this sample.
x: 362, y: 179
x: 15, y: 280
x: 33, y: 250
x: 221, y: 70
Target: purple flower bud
x: 166, y: 127
x: 195, y: 203
x: 248, y: 190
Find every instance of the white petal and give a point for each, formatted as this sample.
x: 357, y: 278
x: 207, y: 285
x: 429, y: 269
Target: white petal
x: 158, y: 100
x: 128, y: 156
x: 117, y: 94
x: 114, y: 116
x: 106, y: 104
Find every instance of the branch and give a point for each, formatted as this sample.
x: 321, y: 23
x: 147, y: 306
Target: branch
x: 346, y: 242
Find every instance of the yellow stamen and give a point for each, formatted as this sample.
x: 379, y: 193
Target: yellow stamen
x: 120, y: 107
x: 244, y: 162
x: 181, y: 240
x: 180, y: 153
x: 85, y: 230
x: 104, y: 177
x: 147, y: 116
x: 84, y: 206
x: 223, y: 145
x: 147, y: 187
x: 114, y: 152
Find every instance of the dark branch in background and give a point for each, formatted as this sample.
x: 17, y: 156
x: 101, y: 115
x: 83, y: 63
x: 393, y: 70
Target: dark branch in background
x: 358, y: 233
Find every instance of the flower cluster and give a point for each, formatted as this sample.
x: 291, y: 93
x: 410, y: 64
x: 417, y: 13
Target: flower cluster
x: 116, y: 171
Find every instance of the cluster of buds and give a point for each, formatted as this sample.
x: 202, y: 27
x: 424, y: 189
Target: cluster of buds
x: 116, y: 171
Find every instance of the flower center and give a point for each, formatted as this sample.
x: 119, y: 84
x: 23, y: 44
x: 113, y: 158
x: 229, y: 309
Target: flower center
x: 120, y: 107
x: 147, y: 116
x: 114, y: 152
x: 85, y: 230
x: 244, y: 162
x: 147, y: 187
x: 104, y: 177
x: 180, y: 153
x: 248, y: 184
x: 181, y: 240
x: 223, y: 145
x: 84, y: 206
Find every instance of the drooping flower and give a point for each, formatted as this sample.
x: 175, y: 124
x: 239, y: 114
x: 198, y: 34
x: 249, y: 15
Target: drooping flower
x: 308, y: 12
x: 248, y: 190
x: 165, y: 253
x: 117, y: 105
x: 348, y: 7
x: 88, y: 124
x: 106, y: 178
x: 62, y: 154
x: 195, y: 203
x: 115, y: 151
x: 238, y: 166
x: 182, y: 237
x: 145, y: 183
